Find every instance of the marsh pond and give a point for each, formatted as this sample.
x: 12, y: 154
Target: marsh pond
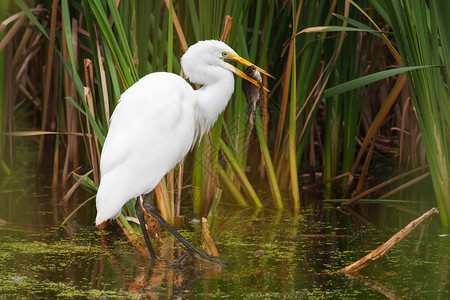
x: 271, y: 254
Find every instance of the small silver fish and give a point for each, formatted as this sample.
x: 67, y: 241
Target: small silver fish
x: 252, y: 93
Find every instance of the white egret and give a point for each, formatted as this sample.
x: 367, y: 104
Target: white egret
x: 155, y: 124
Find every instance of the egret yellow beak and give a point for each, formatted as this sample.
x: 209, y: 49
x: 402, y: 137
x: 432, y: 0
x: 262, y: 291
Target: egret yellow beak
x: 234, y: 57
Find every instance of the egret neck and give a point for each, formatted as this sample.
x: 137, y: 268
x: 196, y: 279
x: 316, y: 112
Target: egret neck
x: 212, y: 98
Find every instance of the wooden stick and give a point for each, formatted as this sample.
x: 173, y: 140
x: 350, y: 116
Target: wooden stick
x: 207, y: 241
x: 383, y: 249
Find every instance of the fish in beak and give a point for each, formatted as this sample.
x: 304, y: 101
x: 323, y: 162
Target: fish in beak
x: 237, y: 58
x: 252, y: 93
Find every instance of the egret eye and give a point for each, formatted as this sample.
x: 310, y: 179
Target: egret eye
x: 224, y: 53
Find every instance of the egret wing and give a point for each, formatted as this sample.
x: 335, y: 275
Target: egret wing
x: 152, y: 129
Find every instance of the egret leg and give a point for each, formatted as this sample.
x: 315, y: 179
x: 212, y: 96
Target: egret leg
x: 140, y: 215
x: 190, y: 248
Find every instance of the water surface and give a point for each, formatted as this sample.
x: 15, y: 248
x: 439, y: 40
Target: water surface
x: 271, y: 254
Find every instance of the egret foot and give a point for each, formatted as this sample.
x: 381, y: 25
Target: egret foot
x: 190, y: 248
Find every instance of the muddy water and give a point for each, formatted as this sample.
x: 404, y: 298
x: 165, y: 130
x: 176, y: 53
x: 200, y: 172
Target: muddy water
x: 271, y: 254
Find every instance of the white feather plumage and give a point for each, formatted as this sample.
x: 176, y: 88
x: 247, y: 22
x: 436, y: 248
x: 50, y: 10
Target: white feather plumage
x: 156, y: 123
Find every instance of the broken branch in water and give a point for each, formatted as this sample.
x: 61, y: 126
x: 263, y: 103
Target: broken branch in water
x: 207, y: 241
x: 383, y: 249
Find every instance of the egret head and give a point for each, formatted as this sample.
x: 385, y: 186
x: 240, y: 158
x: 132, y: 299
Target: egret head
x: 215, y: 53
